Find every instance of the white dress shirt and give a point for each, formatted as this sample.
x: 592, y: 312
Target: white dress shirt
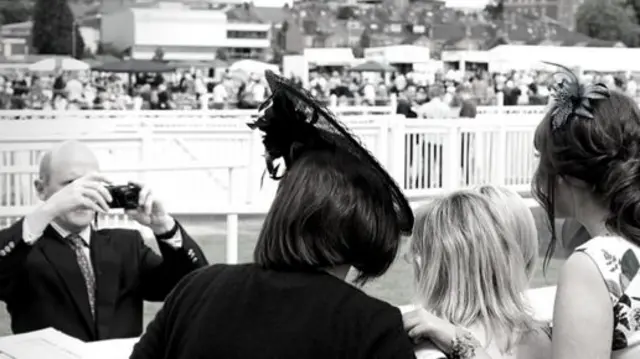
x: 30, y: 237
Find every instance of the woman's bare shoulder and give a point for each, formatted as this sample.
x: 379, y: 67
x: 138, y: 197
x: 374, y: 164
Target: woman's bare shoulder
x: 536, y: 344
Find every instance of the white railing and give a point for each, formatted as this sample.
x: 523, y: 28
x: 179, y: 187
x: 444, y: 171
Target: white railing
x: 173, y: 114
x: 424, y: 156
x: 537, y: 111
x: 483, y: 111
x: 219, y: 162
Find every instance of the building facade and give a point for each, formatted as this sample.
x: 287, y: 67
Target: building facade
x: 562, y: 11
x: 15, y: 40
x: 183, y: 33
x: 542, y: 8
x: 257, y: 3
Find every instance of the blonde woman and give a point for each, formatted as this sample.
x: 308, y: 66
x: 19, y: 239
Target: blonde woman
x: 472, y: 253
x: 517, y: 214
x: 519, y: 220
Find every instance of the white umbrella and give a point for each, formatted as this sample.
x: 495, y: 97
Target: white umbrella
x: 58, y: 63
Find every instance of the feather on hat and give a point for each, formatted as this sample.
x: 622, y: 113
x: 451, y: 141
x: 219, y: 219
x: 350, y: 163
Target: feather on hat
x: 573, y: 99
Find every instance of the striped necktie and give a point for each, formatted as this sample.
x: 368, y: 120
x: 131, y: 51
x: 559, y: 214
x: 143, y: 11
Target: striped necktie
x: 78, y: 246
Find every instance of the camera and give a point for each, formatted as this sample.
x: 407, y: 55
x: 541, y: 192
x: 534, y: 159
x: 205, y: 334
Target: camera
x: 125, y: 196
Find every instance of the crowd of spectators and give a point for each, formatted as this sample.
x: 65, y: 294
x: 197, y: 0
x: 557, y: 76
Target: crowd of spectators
x: 189, y: 90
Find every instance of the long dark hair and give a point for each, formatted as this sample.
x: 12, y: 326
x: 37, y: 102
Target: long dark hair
x: 604, y: 153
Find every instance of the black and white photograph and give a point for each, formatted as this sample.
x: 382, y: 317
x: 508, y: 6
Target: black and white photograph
x: 315, y: 179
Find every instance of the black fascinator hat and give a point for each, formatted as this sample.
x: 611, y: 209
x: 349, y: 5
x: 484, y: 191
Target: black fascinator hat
x: 294, y: 123
x: 573, y: 99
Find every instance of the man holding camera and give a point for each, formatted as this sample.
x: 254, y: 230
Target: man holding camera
x: 57, y: 271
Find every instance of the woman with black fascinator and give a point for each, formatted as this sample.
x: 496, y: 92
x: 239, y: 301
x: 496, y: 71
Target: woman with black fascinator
x: 335, y: 209
x: 589, y: 171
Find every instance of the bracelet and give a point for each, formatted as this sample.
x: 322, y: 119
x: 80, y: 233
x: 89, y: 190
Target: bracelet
x: 464, y: 345
x: 168, y: 235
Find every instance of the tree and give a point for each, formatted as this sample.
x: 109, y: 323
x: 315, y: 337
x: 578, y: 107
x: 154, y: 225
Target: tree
x: 277, y: 55
x: 13, y: 11
x: 279, y: 43
x: 606, y: 21
x: 365, y: 40
x: 495, y: 10
x: 495, y: 29
x: 358, y: 52
x: 280, y: 36
x: 634, y: 7
x: 55, y: 31
x: 363, y: 43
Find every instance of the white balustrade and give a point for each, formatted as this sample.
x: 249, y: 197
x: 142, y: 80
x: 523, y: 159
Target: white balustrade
x: 511, y: 110
x: 200, y: 166
x: 174, y: 115
x: 483, y: 111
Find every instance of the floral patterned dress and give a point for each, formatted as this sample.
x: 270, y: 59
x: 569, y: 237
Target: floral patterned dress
x: 619, y: 264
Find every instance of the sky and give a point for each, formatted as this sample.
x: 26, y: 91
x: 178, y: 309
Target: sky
x: 473, y: 4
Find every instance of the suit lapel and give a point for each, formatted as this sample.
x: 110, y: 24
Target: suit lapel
x: 107, y: 268
x: 62, y: 258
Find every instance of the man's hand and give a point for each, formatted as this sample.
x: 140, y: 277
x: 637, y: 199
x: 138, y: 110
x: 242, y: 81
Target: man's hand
x: 151, y: 212
x: 87, y: 192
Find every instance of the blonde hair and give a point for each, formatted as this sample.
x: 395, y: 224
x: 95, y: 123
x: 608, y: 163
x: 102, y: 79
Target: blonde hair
x: 517, y: 215
x: 469, y: 268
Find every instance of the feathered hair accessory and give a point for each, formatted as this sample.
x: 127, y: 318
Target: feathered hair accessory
x: 572, y: 99
x: 294, y: 123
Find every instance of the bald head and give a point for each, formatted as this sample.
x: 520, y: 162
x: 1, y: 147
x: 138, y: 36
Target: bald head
x: 68, y: 159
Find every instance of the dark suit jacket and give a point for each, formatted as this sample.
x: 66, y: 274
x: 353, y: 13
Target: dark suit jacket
x: 43, y: 287
x: 468, y: 109
x: 245, y: 311
x: 404, y: 108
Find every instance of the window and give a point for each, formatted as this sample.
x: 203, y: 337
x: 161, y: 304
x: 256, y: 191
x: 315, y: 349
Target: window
x: 236, y: 34
x: 395, y: 28
x: 175, y: 49
x: 551, y: 11
x: 244, y: 53
x: 18, y: 49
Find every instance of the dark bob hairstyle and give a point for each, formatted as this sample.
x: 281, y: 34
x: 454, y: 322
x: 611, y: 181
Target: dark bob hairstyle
x: 604, y: 153
x: 330, y: 209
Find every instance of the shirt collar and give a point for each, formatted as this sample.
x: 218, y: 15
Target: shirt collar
x: 85, y: 234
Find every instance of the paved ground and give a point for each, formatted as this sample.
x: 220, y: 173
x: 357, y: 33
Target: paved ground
x: 394, y: 287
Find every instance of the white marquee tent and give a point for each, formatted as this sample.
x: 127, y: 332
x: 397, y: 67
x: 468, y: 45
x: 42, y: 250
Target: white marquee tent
x: 524, y: 57
x: 602, y: 59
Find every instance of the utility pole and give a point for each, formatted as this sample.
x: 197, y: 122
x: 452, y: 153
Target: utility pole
x: 73, y: 37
